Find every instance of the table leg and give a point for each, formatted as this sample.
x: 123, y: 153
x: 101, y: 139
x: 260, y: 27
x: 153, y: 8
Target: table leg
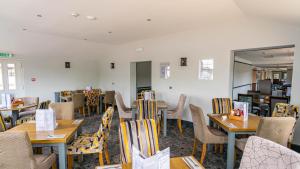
x: 15, y: 115
x: 230, y: 150
x: 165, y: 122
x: 62, y: 153
x: 100, y: 104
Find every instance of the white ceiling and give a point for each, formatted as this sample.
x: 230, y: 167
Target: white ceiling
x: 127, y: 20
x: 275, y: 57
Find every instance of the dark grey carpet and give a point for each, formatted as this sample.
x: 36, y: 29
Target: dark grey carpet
x: 180, y: 145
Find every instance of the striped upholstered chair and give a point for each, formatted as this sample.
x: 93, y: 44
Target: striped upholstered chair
x: 93, y: 143
x: 5, y: 123
x: 92, y: 99
x: 285, y: 110
x: 147, y: 109
x: 221, y: 105
x: 140, y: 133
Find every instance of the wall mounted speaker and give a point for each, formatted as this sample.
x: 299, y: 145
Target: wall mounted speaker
x: 67, y: 65
x: 112, y: 65
x: 183, y: 61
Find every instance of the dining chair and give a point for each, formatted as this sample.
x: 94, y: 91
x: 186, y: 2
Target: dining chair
x: 277, y: 129
x: 16, y: 153
x: 92, y: 100
x: 42, y: 105
x: 177, y: 113
x: 221, y: 105
x: 93, y: 143
x: 63, y: 110
x: 203, y: 133
x: 147, y: 109
x: 66, y: 96
x: 265, y: 154
x: 78, y: 100
x: 274, y: 100
x: 109, y: 99
x: 5, y: 123
x: 29, y: 101
x: 285, y: 110
x: 124, y: 112
x: 141, y: 134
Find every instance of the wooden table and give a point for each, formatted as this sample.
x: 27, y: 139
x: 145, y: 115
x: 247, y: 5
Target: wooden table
x: 16, y: 110
x: 41, y: 138
x: 161, y: 105
x: 175, y: 163
x: 234, y: 127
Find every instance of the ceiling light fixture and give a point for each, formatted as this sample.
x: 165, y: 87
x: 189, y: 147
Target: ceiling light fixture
x: 75, y: 14
x: 85, y: 39
x: 110, y: 32
x: 91, y: 17
x: 24, y: 29
x: 149, y: 20
x: 39, y: 15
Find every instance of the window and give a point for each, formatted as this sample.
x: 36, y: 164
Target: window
x: 11, y: 73
x: 206, y: 68
x: 1, y: 78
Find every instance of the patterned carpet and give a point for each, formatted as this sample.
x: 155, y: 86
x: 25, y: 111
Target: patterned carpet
x: 180, y: 145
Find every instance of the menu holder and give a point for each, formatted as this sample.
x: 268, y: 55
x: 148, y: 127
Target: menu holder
x: 240, y: 111
x: 161, y: 160
x: 45, y: 120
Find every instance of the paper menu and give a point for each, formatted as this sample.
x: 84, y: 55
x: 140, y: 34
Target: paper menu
x: 161, y: 160
x: 45, y: 120
x: 243, y: 106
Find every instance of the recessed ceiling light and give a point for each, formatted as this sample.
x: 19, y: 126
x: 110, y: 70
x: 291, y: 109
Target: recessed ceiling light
x: 148, y: 19
x: 85, y: 39
x: 110, y: 32
x: 39, y: 15
x: 24, y: 29
x: 91, y: 17
x: 75, y: 14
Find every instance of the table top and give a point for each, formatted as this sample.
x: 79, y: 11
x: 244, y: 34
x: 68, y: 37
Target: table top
x: 175, y: 163
x: 160, y: 104
x: 236, y: 125
x: 66, y: 127
x: 10, y: 108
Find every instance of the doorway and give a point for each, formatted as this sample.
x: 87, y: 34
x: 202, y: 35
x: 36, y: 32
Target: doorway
x: 263, y: 77
x: 140, y: 78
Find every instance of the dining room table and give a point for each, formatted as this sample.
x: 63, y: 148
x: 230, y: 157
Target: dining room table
x: 16, y: 110
x: 161, y: 105
x: 233, y: 128
x: 175, y: 163
x: 64, y: 133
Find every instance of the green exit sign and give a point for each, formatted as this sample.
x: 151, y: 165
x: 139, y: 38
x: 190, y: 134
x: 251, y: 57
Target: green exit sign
x: 6, y: 55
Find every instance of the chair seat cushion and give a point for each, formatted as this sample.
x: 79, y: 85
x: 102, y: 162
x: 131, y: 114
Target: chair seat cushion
x: 85, y: 144
x: 44, y: 161
x: 241, y: 143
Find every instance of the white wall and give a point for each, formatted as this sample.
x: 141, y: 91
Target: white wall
x: 209, y: 41
x: 242, y: 76
x: 43, y: 57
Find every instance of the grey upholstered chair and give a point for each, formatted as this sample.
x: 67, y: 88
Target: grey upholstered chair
x: 177, y: 113
x: 203, y: 133
x: 277, y: 129
x: 29, y: 101
x: 124, y: 112
x: 63, y: 110
x: 109, y: 99
x: 265, y: 154
x: 23, y: 158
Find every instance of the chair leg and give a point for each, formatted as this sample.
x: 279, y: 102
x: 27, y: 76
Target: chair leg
x: 70, y: 161
x: 158, y: 128
x: 121, y: 120
x: 195, y: 147
x: 89, y: 110
x: 203, y: 153
x: 98, y: 110
x: 216, y: 147
x: 101, y: 163
x: 83, y: 111
x: 105, y: 106
x: 106, y: 154
x: 54, y: 165
x: 179, y: 124
x: 221, y: 148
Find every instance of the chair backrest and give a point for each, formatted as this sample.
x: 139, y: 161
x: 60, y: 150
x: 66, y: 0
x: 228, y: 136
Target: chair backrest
x: 66, y: 93
x: 221, y: 105
x: 92, y: 97
x: 30, y: 101
x: 120, y: 102
x: 277, y: 129
x: 296, y: 136
x: 2, y: 124
x: 63, y: 111
x: 180, y: 105
x: 106, y: 121
x: 147, y: 109
x: 265, y: 154
x: 44, y: 104
x: 78, y: 100
x: 9, y: 157
x: 246, y: 98
x: 285, y: 110
x: 200, y: 127
x: 275, y: 100
x: 109, y: 97
x: 141, y: 134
